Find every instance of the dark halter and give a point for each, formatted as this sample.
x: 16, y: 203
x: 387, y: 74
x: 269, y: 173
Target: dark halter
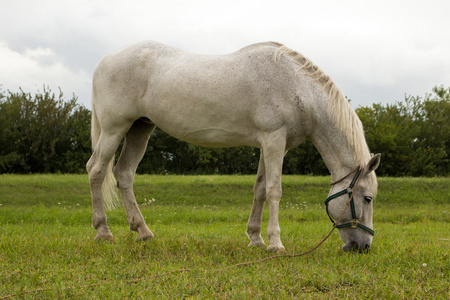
x: 354, y: 223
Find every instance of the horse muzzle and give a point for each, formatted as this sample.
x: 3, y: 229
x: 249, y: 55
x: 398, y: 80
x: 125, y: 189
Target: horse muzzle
x: 352, y: 246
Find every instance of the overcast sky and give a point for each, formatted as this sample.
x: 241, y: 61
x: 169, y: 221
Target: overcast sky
x: 376, y: 51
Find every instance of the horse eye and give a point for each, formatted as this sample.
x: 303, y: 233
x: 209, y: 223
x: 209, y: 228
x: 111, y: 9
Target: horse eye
x: 368, y: 199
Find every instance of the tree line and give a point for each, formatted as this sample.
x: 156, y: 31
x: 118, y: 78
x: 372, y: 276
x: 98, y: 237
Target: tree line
x: 44, y: 133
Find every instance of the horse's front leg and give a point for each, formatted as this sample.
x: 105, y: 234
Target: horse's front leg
x: 273, y: 159
x: 255, y: 220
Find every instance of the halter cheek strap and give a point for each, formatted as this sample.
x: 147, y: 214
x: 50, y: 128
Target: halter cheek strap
x: 354, y: 223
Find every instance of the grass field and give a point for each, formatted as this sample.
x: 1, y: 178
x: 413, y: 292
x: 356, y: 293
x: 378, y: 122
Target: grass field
x: 47, y: 248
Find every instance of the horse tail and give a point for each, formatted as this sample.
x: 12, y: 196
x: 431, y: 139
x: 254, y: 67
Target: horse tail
x: 109, y: 186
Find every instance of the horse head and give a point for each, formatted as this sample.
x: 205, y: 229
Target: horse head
x: 350, y: 204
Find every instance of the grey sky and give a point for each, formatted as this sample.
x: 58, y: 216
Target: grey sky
x: 376, y: 51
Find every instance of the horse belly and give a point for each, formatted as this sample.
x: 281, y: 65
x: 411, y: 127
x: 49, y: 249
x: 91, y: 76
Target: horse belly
x: 217, y: 137
x: 205, y: 129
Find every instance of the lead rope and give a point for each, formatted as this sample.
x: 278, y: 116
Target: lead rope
x: 313, y: 248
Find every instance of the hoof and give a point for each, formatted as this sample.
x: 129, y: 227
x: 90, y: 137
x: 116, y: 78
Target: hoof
x: 107, y: 238
x: 276, y: 249
x: 146, y: 235
x: 144, y: 238
x: 258, y: 243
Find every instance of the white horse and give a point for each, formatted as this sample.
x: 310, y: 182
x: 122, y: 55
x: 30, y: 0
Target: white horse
x: 264, y: 95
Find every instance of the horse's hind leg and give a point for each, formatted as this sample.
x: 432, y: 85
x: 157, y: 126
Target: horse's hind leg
x: 97, y: 168
x: 132, y: 152
x: 255, y: 220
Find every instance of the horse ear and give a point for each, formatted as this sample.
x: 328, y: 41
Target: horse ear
x: 373, y: 163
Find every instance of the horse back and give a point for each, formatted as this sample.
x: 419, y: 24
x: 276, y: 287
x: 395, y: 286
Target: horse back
x: 235, y: 97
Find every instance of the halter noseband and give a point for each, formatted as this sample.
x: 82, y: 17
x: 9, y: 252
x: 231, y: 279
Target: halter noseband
x: 354, y: 223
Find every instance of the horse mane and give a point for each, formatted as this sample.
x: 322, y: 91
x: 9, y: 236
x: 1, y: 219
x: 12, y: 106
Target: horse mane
x: 339, y: 109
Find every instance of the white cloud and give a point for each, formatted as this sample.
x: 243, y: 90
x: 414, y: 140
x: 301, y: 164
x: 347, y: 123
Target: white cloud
x: 34, y: 68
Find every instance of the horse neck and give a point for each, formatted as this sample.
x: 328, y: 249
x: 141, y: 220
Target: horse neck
x: 339, y: 155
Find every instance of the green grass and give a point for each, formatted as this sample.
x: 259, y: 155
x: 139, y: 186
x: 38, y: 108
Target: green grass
x: 47, y: 248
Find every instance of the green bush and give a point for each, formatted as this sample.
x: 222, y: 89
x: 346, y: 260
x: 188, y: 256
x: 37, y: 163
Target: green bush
x: 413, y: 136
x: 43, y: 133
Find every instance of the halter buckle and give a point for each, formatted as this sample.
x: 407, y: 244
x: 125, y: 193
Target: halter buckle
x: 354, y: 223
